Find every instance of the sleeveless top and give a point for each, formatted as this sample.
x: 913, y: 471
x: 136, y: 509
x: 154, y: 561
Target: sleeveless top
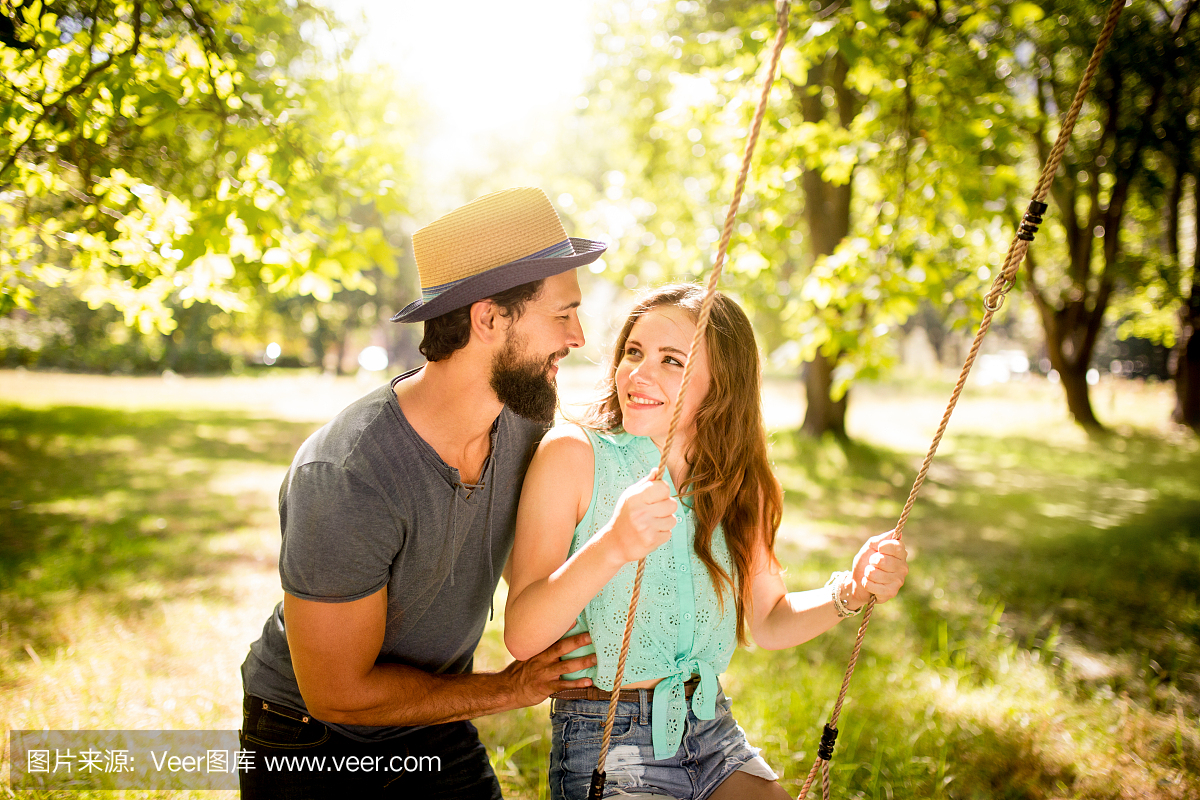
x: 680, y: 630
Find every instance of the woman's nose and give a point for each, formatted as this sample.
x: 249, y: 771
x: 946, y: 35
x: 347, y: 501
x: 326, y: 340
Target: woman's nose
x: 642, y: 373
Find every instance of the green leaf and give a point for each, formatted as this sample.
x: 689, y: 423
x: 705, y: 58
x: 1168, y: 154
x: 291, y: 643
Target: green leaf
x: 1025, y: 14
x: 32, y: 13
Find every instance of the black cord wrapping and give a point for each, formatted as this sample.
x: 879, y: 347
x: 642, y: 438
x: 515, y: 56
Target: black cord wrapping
x: 828, y: 737
x: 1033, y: 218
x: 596, y: 792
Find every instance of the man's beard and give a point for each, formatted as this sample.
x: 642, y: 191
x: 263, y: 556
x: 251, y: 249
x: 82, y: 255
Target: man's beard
x: 524, y: 384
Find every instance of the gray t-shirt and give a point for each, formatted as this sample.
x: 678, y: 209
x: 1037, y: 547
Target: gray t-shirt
x: 367, y: 503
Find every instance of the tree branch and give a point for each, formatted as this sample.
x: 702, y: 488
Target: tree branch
x: 830, y: 9
x: 1063, y: 197
x: 79, y: 86
x: 137, y: 28
x: 1179, y: 24
x: 46, y: 109
x: 1030, y: 272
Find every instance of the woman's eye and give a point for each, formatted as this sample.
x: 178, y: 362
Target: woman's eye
x: 673, y: 360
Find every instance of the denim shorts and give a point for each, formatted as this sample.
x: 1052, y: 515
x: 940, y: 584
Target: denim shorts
x: 710, y: 752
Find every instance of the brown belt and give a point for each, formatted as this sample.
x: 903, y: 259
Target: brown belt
x: 624, y: 696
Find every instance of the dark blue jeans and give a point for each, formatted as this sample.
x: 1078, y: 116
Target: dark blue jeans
x: 295, y: 757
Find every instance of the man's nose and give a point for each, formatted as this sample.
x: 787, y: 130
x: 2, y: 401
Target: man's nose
x: 575, y: 334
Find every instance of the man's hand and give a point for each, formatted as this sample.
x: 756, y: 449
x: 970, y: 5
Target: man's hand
x: 534, y: 680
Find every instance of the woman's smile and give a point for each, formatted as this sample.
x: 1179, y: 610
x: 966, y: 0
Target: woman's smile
x: 639, y: 401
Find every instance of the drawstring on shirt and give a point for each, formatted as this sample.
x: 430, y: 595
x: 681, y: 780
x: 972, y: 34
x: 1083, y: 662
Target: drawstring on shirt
x: 453, y: 532
x: 487, y: 543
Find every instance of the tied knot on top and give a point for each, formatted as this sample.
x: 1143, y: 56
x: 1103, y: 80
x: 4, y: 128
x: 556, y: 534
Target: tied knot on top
x: 668, y: 714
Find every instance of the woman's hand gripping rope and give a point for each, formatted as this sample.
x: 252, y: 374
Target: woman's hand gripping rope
x: 643, y: 519
x: 880, y: 568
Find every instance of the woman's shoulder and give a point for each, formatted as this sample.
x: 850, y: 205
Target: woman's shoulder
x: 562, y: 469
x: 576, y: 446
x: 566, y: 445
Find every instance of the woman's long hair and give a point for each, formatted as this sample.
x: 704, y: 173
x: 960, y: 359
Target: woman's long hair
x: 729, y: 477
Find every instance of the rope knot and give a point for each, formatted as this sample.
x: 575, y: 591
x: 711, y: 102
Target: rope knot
x: 1031, y: 221
x: 828, y: 738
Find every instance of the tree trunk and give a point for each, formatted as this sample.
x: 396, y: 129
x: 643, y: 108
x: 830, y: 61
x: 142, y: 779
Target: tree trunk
x: 823, y: 414
x: 827, y: 214
x: 1073, y: 322
x: 341, y: 351
x: 1187, y: 351
x: 1069, y: 347
x: 1187, y: 364
x: 1079, y: 400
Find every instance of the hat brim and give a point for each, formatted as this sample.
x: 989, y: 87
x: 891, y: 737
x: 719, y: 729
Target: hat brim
x: 499, y: 279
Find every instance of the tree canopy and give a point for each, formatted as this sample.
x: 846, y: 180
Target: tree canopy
x: 160, y: 153
x: 901, y: 142
x: 881, y: 180
x: 1104, y: 259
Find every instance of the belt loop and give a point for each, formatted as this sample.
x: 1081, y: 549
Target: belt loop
x: 644, y: 710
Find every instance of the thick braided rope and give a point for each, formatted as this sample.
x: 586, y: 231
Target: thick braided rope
x: 782, y: 9
x: 992, y: 302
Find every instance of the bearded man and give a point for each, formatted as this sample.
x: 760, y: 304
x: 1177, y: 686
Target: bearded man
x: 397, y: 520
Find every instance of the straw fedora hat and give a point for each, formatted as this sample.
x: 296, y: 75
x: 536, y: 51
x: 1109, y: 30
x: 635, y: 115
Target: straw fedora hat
x: 491, y: 244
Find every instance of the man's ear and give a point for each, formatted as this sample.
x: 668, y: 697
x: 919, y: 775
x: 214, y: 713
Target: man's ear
x: 487, y: 323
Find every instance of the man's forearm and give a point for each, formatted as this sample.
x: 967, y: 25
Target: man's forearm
x: 397, y: 694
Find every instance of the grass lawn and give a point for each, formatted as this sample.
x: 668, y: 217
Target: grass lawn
x: 1047, y: 644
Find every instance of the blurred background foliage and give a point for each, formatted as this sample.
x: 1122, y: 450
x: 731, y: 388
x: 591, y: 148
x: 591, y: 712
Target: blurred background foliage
x: 183, y: 182
x: 191, y: 166
x: 901, y: 143
x: 191, y: 186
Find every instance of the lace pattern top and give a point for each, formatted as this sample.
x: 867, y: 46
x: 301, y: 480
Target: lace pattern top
x: 680, y: 630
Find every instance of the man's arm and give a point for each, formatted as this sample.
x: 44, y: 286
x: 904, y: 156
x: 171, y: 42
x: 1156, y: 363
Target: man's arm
x: 334, y: 647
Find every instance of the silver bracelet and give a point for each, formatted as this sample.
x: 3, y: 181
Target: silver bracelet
x: 835, y: 583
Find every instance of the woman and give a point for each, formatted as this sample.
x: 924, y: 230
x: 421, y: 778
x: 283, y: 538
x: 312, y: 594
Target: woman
x: 589, y: 509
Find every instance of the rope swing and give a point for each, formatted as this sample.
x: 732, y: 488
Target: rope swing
x: 992, y: 302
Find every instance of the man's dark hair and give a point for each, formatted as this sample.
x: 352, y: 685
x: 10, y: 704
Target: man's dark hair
x: 451, y: 331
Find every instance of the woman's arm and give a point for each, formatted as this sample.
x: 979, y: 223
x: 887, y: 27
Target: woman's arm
x: 780, y: 619
x: 548, y: 590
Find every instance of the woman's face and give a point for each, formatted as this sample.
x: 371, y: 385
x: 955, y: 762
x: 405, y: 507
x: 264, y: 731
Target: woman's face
x: 651, y: 368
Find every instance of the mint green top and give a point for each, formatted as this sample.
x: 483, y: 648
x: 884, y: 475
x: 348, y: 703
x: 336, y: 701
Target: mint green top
x: 680, y: 630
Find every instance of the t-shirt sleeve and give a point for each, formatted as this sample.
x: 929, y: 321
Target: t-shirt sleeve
x: 339, y: 536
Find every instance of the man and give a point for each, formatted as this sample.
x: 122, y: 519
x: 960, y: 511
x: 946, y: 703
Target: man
x: 397, y: 520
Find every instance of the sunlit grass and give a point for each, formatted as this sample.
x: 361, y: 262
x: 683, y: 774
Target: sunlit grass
x: 137, y: 561
x: 1045, y: 647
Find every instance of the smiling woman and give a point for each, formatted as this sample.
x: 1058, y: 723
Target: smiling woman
x: 594, y: 501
